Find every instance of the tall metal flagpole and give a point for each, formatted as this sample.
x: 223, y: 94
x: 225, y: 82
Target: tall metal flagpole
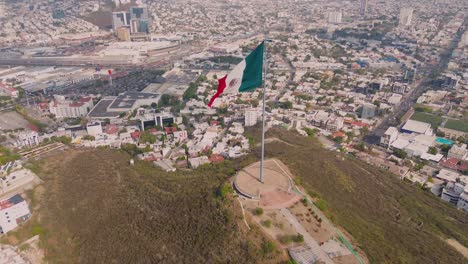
x: 265, y: 66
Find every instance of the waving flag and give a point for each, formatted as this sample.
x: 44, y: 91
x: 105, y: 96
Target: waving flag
x: 246, y: 76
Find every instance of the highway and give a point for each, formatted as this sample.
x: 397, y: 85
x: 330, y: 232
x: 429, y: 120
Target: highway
x: 420, y: 87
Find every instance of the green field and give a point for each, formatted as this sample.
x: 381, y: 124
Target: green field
x: 434, y: 120
x: 457, y: 125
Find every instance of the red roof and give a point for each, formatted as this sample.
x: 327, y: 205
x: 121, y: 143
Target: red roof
x: 33, y: 127
x: 463, y: 166
x: 8, y: 88
x: 213, y: 123
x: 76, y: 104
x: 216, y: 158
x: 85, y: 99
x: 359, y: 124
x: 5, y: 204
x: 170, y: 130
x: 451, y: 163
x: 111, y: 129
x: 338, y: 134
x: 43, y: 105
x: 135, y: 135
x: 150, y: 158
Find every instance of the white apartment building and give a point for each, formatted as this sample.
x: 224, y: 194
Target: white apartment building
x: 406, y: 16
x: 458, y: 152
x: 13, y: 212
x: 335, y: 124
x: 251, y: 117
x: 335, y: 17
x: 27, y: 139
x: 463, y: 200
x: 63, y: 108
x: 389, y: 137
x: 94, y: 129
x: 452, y: 192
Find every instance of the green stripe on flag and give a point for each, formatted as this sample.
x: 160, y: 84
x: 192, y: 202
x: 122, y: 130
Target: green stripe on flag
x: 252, y: 77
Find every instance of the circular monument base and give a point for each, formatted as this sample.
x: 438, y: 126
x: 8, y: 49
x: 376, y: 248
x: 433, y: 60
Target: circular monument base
x: 274, y: 192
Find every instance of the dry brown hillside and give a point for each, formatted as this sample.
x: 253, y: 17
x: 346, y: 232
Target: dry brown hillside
x: 392, y: 220
x: 96, y: 208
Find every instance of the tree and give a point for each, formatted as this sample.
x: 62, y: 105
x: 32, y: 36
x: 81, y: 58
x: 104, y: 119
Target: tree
x: 360, y: 147
x: 89, y: 137
x: 258, y: 211
x: 298, y: 238
x: 287, y: 105
x: 400, y: 153
x: 364, y: 131
x: 432, y: 150
x: 131, y: 149
x: 310, y: 132
x: 147, y: 137
x: 164, y: 101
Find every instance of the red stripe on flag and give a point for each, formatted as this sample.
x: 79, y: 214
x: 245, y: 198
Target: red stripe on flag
x: 221, y: 87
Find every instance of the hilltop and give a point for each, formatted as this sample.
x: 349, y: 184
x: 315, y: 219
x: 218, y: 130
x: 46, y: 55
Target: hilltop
x: 97, y: 208
x: 392, y: 221
x: 94, y: 208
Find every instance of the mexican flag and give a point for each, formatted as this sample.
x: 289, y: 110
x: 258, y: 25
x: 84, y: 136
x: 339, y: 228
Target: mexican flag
x: 246, y: 76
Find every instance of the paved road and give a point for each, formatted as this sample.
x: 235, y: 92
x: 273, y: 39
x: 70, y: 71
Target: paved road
x: 308, y: 239
x: 420, y: 88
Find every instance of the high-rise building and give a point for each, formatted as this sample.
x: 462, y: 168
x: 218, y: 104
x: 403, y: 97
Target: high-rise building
x: 120, y: 19
x: 251, y: 117
x: 139, y: 20
x: 363, y: 7
x: 334, y: 17
x: 406, y: 15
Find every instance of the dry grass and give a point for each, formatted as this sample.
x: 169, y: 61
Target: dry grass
x: 393, y: 221
x: 98, y: 209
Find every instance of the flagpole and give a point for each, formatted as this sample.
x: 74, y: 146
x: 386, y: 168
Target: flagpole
x: 265, y: 66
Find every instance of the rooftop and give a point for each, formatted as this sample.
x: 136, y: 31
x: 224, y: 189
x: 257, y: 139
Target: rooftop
x: 416, y: 126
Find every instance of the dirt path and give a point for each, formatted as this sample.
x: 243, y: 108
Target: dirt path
x: 274, y: 139
x: 459, y: 247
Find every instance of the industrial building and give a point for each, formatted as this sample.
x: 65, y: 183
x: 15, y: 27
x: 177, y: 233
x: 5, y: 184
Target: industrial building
x: 113, y: 106
x: 13, y: 211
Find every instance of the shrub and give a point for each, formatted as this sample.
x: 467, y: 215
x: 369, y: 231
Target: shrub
x: 268, y: 247
x: 258, y: 211
x: 266, y: 223
x: 321, y: 204
x: 223, y: 190
x: 298, y: 238
x: 38, y: 230
x: 285, y: 239
x: 89, y: 137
